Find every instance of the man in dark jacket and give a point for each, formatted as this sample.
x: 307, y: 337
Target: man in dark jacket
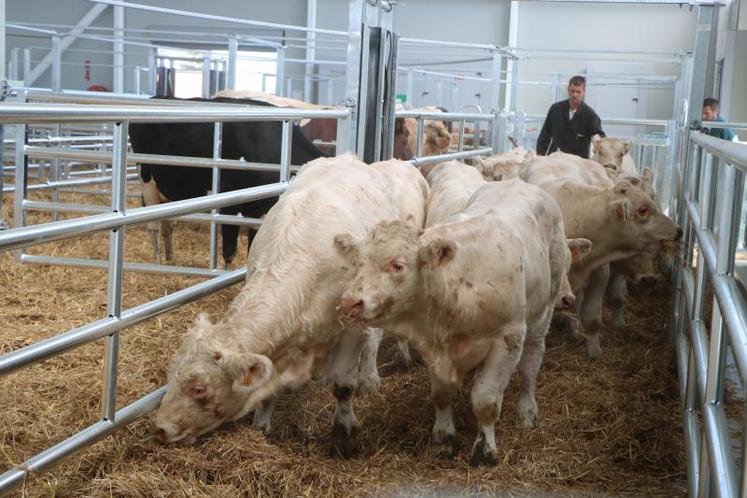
x: 570, y: 124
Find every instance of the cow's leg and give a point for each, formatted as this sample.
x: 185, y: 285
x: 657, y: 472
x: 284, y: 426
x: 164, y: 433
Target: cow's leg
x: 152, y: 197
x: 444, y: 433
x: 167, y: 232
x: 230, y: 236
x: 404, y: 353
x: 368, y: 370
x: 616, y: 298
x: 529, y: 366
x: 591, y: 309
x: 343, y: 373
x: 488, y: 387
x: 263, y: 415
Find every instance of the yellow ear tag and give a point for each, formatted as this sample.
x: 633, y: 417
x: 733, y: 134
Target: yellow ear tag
x: 248, y: 378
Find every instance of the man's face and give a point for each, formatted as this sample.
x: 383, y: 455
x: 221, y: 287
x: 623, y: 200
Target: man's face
x: 576, y: 94
x: 709, y: 113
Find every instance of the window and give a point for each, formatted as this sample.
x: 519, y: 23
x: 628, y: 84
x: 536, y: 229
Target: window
x: 255, y: 70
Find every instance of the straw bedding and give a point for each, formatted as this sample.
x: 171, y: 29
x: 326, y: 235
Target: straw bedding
x: 607, y: 428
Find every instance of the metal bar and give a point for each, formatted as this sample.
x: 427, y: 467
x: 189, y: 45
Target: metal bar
x: 90, y: 157
x: 50, y: 232
x: 421, y: 41
x: 102, y: 264
x: 224, y: 219
x: 51, y: 113
x: 118, y: 46
x: 420, y: 161
x: 56, y: 63
x: 285, y: 152
x: 445, y: 116
x: 46, y: 459
x: 730, y: 152
x: 723, y: 124
x: 21, y: 181
x: 114, y: 281
x: 280, y: 73
x: 460, y: 143
x: 419, y: 136
x: 210, y: 17
x: 70, y: 183
x: 90, y: 332
x: 217, y: 149
x: 723, y: 474
x: 233, y: 47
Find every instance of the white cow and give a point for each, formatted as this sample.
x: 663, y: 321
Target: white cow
x: 282, y: 330
x: 619, y: 219
x: 476, y: 291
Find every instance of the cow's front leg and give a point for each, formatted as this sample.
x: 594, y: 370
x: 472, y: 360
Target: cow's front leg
x: 444, y: 433
x: 263, y: 415
x: 591, y: 310
x: 616, y: 299
x: 487, y: 391
x: 343, y: 369
x: 167, y: 232
x: 229, y: 236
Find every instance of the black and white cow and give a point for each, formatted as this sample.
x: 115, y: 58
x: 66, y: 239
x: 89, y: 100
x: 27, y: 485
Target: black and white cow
x: 254, y: 141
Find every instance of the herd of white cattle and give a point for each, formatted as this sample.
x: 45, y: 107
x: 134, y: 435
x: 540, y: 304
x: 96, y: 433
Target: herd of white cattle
x: 464, y: 263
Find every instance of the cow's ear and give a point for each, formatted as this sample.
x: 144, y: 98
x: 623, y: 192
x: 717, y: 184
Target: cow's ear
x: 438, y: 252
x: 622, y: 208
x: 626, y: 146
x: 580, y: 248
x: 346, y: 246
x: 595, y: 142
x: 622, y: 186
x: 647, y: 174
x: 248, y: 370
x: 530, y: 155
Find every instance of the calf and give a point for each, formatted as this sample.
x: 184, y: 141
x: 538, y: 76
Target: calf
x: 620, y: 220
x: 283, y: 329
x: 441, y: 290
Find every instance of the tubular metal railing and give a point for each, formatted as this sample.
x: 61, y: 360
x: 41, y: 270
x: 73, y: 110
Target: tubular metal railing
x: 711, y: 189
x: 116, y: 220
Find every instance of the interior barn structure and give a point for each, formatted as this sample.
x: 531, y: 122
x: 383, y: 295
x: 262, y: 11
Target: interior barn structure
x: 174, y: 323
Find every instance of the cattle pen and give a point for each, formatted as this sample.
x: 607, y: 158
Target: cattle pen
x: 84, y: 358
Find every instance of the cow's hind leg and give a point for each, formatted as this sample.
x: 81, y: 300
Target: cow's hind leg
x: 167, y: 232
x: 487, y: 391
x: 529, y: 366
x: 230, y: 236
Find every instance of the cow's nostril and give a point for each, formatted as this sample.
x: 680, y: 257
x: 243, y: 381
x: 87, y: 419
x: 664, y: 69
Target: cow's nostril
x: 352, y: 307
x: 568, y: 301
x: 158, y: 432
x: 679, y: 234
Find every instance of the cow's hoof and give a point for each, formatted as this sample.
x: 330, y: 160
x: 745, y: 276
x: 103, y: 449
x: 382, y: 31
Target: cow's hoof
x: 344, y: 442
x: 527, y: 409
x: 369, y: 384
x: 593, y: 349
x: 482, y: 454
x: 444, y: 445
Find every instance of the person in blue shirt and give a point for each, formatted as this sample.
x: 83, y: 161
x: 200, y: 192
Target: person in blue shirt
x: 711, y: 109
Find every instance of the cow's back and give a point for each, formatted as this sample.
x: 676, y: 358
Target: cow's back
x: 452, y: 184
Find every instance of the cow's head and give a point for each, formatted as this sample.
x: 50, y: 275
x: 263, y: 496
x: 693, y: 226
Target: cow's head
x: 609, y: 152
x: 644, y: 181
x: 387, y: 264
x: 211, y: 380
x: 401, y: 141
x: 641, y: 225
x: 640, y: 270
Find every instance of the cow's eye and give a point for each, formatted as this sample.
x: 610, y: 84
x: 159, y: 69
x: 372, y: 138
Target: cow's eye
x: 396, y: 266
x: 644, y: 211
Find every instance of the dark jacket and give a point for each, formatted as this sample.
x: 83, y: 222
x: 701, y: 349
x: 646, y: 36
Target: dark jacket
x: 569, y: 135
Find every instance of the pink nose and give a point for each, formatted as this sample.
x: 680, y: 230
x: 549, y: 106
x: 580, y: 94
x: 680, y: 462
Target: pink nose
x: 566, y: 301
x: 352, y: 307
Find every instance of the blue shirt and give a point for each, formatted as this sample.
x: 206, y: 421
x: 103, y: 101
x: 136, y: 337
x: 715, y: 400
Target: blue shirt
x: 722, y: 133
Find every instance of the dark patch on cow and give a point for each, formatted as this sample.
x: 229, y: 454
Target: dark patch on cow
x: 255, y: 141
